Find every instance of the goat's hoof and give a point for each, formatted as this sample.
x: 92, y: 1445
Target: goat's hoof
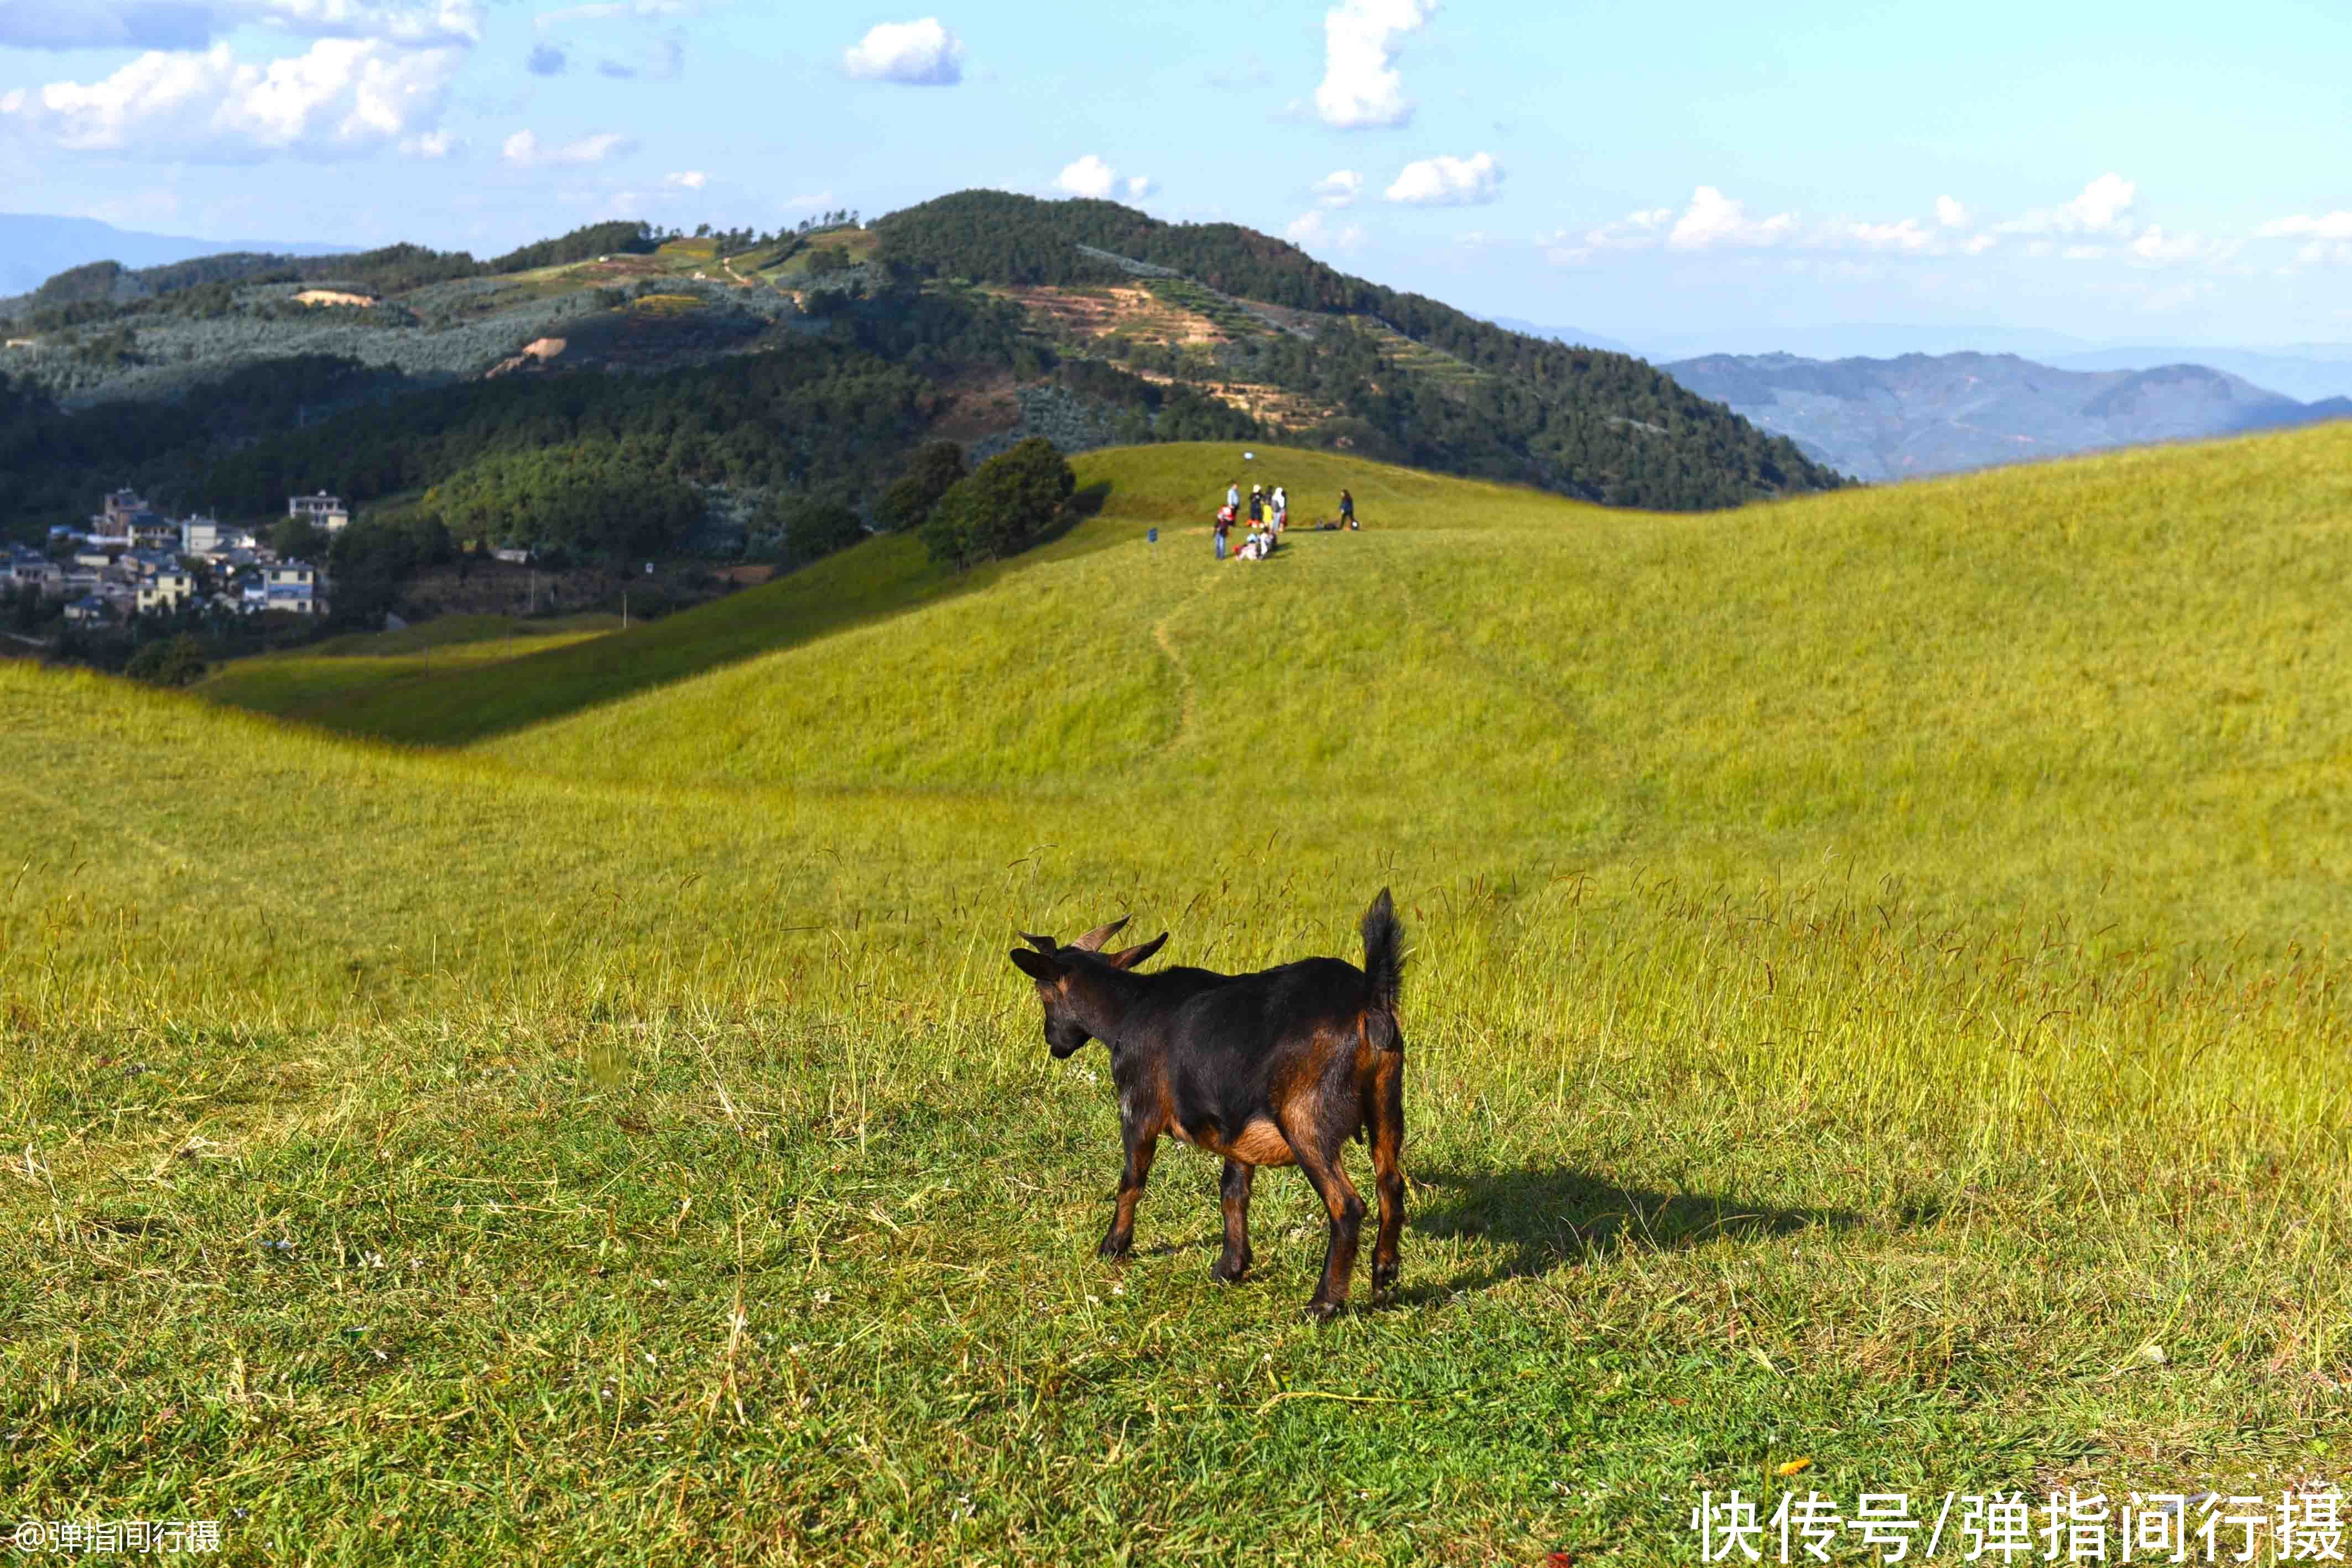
x: 1116, y: 1247
x: 1385, y: 1276
x: 1226, y: 1273
x: 1324, y: 1312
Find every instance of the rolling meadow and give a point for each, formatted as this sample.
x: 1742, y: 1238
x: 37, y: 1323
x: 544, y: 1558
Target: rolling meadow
x: 1875, y: 1008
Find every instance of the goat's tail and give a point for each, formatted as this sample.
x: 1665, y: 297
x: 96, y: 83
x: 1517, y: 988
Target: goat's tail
x: 1384, y: 972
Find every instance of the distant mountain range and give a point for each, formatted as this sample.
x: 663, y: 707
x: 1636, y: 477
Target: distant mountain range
x: 34, y: 248
x: 1900, y: 418
x: 2307, y: 371
x: 2311, y: 371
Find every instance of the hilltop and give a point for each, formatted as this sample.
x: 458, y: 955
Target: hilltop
x: 1900, y: 418
x: 1873, y: 975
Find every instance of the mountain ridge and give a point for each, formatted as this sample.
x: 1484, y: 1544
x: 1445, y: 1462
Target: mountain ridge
x: 34, y: 246
x: 1915, y: 414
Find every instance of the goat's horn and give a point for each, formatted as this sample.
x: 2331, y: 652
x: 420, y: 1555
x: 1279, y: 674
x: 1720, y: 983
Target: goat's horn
x: 1093, y: 940
x: 1043, y: 944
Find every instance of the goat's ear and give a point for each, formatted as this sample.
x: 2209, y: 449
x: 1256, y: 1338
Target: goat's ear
x: 1036, y: 966
x: 1130, y: 958
x: 1043, y: 944
x: 1093, y: 940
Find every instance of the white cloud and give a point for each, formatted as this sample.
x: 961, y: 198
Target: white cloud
x: 1309, y: 231
x: 523, y: 149
x: 1635, y: 231
x: 606, y: 10
x: 1903, y: 235
x: 1443, y: 182
x: 1338, y: 188
x: 2104, y: 207
x: 1713, y: 219
x: 192, y: 24
x: 395, y: 21
x: 1140, y: 186
x: 341, y: 97
x: 2101, y: 207
x: 1089, y: 176
x: 2303, y: 226
x: 690, y: 180
x: 2095, y: 225
x: 1360, y: 86
x: 912, y: 53
x: 428, y: 145
x: 2155, y: 245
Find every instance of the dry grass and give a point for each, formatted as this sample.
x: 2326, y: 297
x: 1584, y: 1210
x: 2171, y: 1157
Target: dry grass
x: 1873, y: 978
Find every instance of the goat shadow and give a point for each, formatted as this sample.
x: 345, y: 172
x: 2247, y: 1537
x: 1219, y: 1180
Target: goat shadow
x: 1547, y: 1220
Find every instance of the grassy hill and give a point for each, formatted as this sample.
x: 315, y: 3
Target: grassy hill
x: 1873, y: 1000
x: 316, y: 682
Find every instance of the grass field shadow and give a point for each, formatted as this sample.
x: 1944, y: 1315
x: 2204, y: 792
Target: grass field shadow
x: 1546, y: 1219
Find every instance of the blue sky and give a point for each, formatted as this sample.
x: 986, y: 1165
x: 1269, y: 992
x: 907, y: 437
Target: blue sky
x: 1703, y: 172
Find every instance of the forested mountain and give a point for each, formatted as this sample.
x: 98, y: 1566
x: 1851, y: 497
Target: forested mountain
x: 1435, y: 387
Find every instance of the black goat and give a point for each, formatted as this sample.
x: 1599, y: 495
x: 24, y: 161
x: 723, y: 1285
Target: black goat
x: 1275, y: 1068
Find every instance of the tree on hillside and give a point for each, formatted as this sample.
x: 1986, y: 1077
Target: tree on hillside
x: 816, y: 526
x: 1001, y: 508
x: 178, y: 662
x: 297, y: 539
x: 372, y: 558
x: 930, y: 474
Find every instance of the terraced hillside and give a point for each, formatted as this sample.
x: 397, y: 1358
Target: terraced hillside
x: 1873, y: 1015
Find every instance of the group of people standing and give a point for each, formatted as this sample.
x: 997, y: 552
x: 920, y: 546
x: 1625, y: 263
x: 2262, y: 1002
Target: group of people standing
x: 1267, y: 514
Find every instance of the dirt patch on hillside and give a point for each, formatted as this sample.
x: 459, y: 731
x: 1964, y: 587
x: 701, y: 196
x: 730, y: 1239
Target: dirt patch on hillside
x: 1290, y: 410
x: 620, y: 268
x: 979, y: 404
x: 1092, y: 314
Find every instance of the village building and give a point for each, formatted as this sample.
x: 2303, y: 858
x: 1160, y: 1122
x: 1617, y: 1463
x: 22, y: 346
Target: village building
x: 149, y: 531
x: 87, y: 609
x: 166, y: 592
x: 120, y: 507
x: 28, y: 568
x: 293, y: 585
x: 204, y: 536
x: 322, y: 511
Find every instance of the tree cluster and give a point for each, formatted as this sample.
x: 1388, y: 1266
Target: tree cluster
x: 1002, y: 507
x: 930, y: 474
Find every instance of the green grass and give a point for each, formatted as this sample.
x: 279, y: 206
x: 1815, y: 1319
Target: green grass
x: 318, y: 682
x: 1873, y: 978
